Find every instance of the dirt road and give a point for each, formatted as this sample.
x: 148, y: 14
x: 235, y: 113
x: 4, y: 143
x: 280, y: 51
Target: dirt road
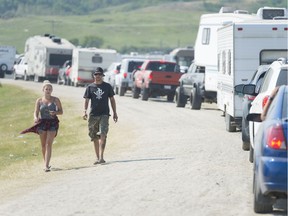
x: 174, y: 161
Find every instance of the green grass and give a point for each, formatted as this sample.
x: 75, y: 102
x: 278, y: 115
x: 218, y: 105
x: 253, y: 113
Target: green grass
x: 16, y: 114
x: 170, y: 25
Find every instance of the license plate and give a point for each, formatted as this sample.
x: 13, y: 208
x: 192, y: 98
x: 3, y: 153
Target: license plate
x: 167, y: 87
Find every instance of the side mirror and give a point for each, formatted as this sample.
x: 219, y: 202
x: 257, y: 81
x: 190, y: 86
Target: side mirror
x: 249, y: 89
x: 255, y: 117
x: 239, y: 89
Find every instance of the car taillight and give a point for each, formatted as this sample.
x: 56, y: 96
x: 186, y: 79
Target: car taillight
x: 150, y: 76
x: 250, y: 98
x: 125, y: 75
x: 264, y: 101
x: 275, y: 137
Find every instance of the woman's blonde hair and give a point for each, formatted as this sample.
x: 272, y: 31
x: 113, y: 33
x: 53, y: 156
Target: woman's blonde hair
x: 45, y: 83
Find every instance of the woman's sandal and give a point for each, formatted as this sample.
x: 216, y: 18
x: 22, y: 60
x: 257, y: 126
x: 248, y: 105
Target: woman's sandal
x: 47, y: 169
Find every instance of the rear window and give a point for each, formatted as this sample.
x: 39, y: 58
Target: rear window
x: 282, y: 79
x: 161, y: 66
x: 134, y: 65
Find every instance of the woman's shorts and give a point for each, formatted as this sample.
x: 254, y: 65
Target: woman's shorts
x: 98, y: 125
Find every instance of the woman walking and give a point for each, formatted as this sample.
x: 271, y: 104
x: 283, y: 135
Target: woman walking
x: 46, y: 121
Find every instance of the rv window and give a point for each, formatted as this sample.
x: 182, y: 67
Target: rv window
x: 229, y: 62
x: 206, y: 36
x: 58, y: 59
x: 97, y: 59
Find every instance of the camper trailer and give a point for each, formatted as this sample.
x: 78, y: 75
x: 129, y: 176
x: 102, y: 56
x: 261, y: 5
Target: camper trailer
x: 86, y: 60
x: 242, y: 47
x: 207, y: 40
x: 182, y: 56
x: 45, y: 55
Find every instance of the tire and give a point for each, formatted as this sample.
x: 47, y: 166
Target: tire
x: 135, y: 92
x: 170, y: 97
x: 251, y: 154
x: 181, y: 99
x: 4, y: 68
x: 122, y: 91
x: 229, y: 126
x: 195, y: 99
x: 116, y: 89
x: 145, y: 94
x: 262, y: 204
x: 245, y: 135
x: 15, y: 76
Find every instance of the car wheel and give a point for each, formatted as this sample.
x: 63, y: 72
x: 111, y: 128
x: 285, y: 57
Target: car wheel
x: 195, y: 99
x: 262, y: 204
x: 181, y: 99
x: 122, y: 91
x: 4, y: 68
x: 251, y: 154
x: 135, y: 92
x: 145, y: 94
x: 116, y: 90
x: 170, y: 97
x: 15, y: 76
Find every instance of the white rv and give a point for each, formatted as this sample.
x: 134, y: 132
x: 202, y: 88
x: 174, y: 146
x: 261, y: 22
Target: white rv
x: 45, y: 55
x: 86, y: 60
x: 207, y: 39
x: 7, y: 59
x: 242, y: 47
x: 206, y: 42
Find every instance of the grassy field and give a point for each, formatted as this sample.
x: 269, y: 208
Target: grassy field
x: 169, y: 25
x: 16, y: 114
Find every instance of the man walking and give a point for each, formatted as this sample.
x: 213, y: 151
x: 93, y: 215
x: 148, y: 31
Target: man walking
x: 99, y: 92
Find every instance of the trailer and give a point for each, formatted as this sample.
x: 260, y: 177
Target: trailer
x: 7, y: 59
x: 207, y: 39
x: 182, y: 56
x: 45, y: 55
x: 242, y: 47
x: 86, y: 60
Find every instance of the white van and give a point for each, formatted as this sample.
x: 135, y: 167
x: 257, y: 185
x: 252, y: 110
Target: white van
x: 7, y: 59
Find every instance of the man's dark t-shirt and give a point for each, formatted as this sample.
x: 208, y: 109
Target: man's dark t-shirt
x: 99, y: 96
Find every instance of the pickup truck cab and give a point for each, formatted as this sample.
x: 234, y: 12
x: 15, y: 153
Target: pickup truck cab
x: 192, y: 88
x: 156, y: 78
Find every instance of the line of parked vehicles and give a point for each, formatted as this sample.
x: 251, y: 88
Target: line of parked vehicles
x: 229, y: 47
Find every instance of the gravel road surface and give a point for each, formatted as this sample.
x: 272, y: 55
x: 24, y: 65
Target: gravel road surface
x: 174, y: 162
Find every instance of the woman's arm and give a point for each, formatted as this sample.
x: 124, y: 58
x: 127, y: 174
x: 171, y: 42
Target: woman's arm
x: 36, y: 110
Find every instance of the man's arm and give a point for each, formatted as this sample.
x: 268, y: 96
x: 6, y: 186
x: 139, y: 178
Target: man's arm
x: 86, y: 103
x: 113, y: 105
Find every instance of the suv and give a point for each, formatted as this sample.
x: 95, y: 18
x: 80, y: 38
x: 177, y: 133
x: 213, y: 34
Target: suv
x: 276, y: 75
x: 257, y: 80
x: 191, y: 86
x: 124, y: 80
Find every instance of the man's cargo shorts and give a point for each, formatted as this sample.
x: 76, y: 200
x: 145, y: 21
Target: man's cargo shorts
x: 98, y: 125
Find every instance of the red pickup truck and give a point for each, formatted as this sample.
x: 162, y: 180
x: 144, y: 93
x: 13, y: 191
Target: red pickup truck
x: 156, y: 78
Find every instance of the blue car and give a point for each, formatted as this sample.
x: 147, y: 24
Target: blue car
x: 270, y: 154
